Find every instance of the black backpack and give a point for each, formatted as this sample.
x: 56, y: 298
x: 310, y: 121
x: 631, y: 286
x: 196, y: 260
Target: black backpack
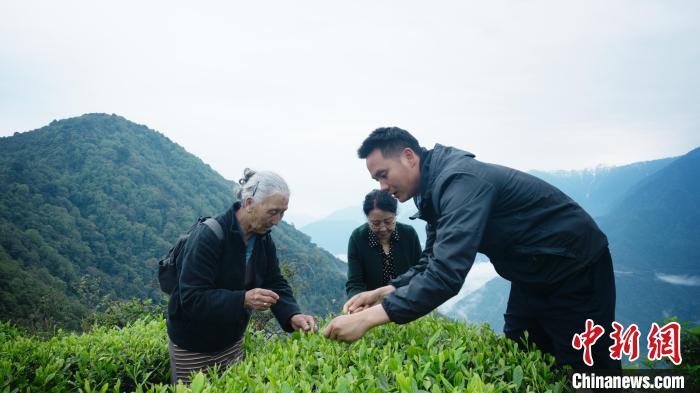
x: 167, y: 266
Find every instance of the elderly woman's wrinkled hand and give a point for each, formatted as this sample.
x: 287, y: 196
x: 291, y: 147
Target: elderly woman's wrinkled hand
x: 260, y: 299
x: 304, y: 323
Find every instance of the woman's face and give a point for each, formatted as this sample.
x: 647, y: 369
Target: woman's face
x: 268, y: 213
x: 382, y: 223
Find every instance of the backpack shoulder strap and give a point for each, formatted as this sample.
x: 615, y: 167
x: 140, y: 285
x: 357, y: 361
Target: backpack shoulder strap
x: 215, y: 227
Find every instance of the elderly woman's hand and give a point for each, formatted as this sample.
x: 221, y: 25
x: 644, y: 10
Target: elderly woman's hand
x: 305, y: 323
x: 366, y: 299
x: 260, y: 299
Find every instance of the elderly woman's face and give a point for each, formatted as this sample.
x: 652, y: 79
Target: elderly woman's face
x: 268, y: 213
x: 382, y: 223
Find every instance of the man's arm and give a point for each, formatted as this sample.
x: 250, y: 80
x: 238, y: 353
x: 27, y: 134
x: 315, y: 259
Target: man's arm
x: 463, y: 204
x: 349, y: 328
x: 419, y: 267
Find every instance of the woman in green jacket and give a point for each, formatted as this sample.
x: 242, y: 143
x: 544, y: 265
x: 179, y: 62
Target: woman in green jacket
x: 382, y: 249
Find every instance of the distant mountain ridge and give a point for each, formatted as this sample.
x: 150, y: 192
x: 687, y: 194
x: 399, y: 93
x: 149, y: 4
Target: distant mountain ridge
x: 600, y: 189
x: 655, y: 241
x: 658, y: 220
x: 332, y: 232
x: 86, y: 202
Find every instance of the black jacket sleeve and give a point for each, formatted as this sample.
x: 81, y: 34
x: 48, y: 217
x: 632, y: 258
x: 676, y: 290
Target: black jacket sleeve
x: 356, y: 277
x: 415, y: 253
x: 462, y: 204
x: 286, y: 305
x: 199, y: 296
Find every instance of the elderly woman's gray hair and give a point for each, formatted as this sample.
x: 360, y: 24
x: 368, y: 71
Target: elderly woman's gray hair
x: 260, y: 185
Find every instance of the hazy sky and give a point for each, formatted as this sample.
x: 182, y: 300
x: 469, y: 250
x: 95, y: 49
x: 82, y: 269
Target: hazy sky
x: 295, y: 86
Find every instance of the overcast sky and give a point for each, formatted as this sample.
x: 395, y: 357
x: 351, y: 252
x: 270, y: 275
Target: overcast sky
x: 296, y: 86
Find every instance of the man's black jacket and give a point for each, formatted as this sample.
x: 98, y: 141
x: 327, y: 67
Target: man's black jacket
x: 206, y: 312
x: 533, y: 233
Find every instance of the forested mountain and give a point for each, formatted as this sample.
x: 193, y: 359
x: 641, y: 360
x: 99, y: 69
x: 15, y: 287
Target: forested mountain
x: 87, y: 203
x: 332, y: 232
x: 655, y: 242
x: 598, y: 190
x: 657, y: 224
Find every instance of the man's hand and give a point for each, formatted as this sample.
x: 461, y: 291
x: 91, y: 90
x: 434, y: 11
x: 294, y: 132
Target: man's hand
x: 305, y: 323
x: 349, y: 328
x: 367, y: 299
x: 260, y: 299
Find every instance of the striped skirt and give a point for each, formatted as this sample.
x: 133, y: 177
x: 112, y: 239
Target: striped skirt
x: 184, y: 362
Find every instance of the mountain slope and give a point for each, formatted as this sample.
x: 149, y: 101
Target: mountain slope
x: 598, y: 190
x: 486, y: 304
x: 85, y: 202
x: 655, y: 242
x: 656, y: 225
x: 331, y: 234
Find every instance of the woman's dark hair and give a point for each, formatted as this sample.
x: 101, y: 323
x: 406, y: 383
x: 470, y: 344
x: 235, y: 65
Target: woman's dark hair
x: 381, y: 200
x: 390, y: 141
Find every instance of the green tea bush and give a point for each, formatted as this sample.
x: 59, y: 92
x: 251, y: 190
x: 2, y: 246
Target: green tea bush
x: 123, y: 359
x: 429, y: 355
x: 120, y: 313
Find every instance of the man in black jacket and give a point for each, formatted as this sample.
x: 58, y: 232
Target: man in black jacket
x: 551, y: 250
x: 225, y: 276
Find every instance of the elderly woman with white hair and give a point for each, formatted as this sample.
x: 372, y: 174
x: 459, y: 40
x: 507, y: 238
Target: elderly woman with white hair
x: 226, y: 271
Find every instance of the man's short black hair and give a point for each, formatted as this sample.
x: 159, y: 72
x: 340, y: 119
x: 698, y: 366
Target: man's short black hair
x: 381, y: 200
x: 390, y: 140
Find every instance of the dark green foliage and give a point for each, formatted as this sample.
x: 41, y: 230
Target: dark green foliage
x: 121, y: 313
x: 690, y: 350
x: 88, y: 203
